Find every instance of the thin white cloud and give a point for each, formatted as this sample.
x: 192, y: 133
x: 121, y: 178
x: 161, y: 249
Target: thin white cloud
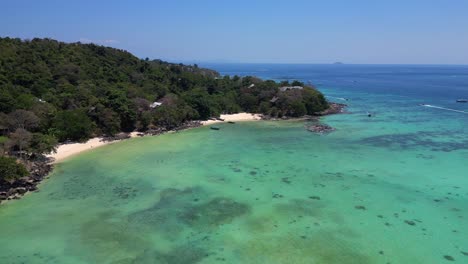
x: 85, y: 40
x: 105, y: 41
x: 110, y: 41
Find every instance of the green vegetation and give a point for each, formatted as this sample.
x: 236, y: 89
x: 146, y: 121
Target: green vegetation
x: 10, y: 169
x: 52, y: 91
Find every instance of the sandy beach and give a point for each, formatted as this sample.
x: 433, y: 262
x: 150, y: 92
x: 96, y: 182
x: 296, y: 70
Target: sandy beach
x: 234, y: 118
x: 65, y: 151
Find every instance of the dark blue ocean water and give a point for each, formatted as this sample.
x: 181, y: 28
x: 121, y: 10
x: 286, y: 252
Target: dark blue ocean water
x: 432, y: 84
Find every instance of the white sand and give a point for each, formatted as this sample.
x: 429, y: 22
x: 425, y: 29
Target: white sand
x: 65, y: 151
x: 234, y: 118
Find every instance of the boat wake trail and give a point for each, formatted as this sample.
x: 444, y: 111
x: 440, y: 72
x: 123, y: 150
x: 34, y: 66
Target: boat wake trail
x: 339, y: 98
x: 443, y: 108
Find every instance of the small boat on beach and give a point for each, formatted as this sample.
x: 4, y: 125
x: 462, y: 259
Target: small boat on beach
x: 215, y: 128
x: 462, y: 101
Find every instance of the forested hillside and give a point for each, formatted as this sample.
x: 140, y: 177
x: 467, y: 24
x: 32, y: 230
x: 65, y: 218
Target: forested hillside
x: 52, y: 91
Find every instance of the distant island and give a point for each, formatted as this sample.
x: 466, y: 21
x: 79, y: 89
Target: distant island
x: 53, y: 92
x: 338, y: 63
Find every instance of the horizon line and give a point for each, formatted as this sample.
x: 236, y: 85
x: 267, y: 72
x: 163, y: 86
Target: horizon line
x: 227, y: 61
x: 314, y: 63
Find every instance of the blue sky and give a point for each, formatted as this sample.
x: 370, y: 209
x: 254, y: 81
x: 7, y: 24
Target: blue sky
x: 292, y: 31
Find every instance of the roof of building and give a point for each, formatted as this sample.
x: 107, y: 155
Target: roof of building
x: 155, y: 104
x: 285, y: 88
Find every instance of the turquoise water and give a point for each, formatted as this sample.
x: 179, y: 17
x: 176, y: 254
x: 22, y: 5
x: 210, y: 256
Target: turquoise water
x: 387, y: 189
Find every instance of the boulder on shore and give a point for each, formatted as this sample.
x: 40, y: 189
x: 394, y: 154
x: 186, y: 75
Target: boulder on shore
x: 334, y: 108
x: 21, y: 190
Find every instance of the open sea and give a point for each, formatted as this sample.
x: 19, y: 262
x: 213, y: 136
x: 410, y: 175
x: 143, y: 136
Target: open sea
x: 392, y: 188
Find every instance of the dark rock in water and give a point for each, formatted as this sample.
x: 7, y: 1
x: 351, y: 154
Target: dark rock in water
x: 360, y: 207
x: 409, y: 222
x: 320, y: 128
x: 314, y: 197
x: 449, y: 258
x: 213, y: 213
x: 286, y: 180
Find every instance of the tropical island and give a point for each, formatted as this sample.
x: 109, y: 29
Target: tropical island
x: 53, y: 92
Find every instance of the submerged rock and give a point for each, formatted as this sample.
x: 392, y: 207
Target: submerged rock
x: 320, y: 128
x: 217, y: 211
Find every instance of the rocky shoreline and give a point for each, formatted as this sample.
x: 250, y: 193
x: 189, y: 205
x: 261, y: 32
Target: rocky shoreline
x: 320, y: 128
x: 42, y: 166
x: 13, y: 190
x: 335, y: 108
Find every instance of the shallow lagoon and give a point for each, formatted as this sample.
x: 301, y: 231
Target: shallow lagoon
x: 258, y: 192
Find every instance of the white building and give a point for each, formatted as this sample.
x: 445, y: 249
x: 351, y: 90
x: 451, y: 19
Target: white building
x: 285, y: 88
x: 155, y: 104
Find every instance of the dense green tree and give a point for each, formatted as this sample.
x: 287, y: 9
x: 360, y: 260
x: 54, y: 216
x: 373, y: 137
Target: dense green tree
x: 200, y: 100
x: 118, y: 101
x: 72, y: 125
x: 20, y: 141
x: 22, y: 119
x: 297, y: 109
x: 297, y: 83
x: 145, y: 121
x: 7, y: 103
x: 264, y: 108
x: 43, y: 143
x: 3, y: 141
x: 167, y: 116
x: 109, y: 121
x: 10, y: 169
